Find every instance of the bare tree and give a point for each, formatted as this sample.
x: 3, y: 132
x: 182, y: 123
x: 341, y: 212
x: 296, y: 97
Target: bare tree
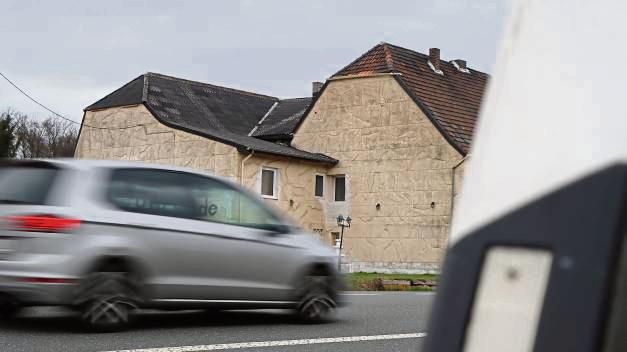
x: 60, y: 137
x: 51, y: 138
x: 30, y: 139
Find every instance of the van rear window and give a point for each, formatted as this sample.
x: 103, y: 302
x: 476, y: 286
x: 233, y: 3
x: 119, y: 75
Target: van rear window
x: 26, y: 184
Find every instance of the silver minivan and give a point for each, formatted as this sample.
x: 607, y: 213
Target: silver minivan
x: 107, y: 237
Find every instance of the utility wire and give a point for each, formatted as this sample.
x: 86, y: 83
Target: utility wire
x: 56, y: 113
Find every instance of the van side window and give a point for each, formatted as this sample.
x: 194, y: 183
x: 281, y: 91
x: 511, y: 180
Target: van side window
x: 184, y: 195
x: 26, y: 182
x: 151, y: 192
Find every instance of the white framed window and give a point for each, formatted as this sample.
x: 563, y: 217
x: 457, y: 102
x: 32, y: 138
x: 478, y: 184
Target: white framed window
x: 269, y: 183
x: 336, y: 239
x: 339, y: 188
x: 319, y: 186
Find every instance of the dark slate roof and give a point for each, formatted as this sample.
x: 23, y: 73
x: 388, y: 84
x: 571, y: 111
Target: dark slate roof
x: 223, y: 114
x: 282, y: 120
x: 451, y: 100
x: 183, y: 101
x: 129, y: 94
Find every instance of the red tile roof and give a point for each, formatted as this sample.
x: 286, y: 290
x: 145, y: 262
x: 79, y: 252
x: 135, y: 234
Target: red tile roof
x: 451, y: 100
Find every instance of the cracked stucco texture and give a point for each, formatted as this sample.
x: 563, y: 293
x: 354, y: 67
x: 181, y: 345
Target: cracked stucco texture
x: 390, y: 152
x: 393, y: 156
x: 135, y: 135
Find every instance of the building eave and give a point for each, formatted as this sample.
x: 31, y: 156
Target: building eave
x: 240, y: 146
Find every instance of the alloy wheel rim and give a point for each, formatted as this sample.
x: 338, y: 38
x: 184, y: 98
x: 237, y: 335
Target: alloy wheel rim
x: 316, y: 307
x: 108, y: 310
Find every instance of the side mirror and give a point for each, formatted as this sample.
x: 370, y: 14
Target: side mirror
x: 541, y: 251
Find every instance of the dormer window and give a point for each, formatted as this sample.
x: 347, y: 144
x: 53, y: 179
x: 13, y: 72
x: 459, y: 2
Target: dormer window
x: 460, y: 65
x: 438, y: 71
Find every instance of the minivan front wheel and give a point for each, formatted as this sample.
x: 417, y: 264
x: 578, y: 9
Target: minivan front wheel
x: 316, y: 305
x: 106, y: 300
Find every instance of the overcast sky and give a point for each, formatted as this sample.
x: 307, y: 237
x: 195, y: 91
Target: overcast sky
x: 68, y: 54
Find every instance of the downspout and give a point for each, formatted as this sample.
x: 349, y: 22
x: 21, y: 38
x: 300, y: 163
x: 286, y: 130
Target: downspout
x: 241, y: 172
x: 453, y: 182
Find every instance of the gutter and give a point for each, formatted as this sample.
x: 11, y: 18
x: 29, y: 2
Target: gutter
x: 276, y: 137
x: 241, y: 173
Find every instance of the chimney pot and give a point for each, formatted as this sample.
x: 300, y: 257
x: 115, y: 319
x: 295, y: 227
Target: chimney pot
x: 315, y: 88
x: 434, y: 58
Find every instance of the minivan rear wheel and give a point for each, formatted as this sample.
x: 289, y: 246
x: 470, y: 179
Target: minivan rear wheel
x: 9, y: 307
x: 106, y: 300
x: 316, y: 304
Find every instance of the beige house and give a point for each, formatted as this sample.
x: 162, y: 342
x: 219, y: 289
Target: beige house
x: 382, y: 140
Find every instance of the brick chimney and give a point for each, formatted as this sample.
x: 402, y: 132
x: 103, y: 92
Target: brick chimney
x: 434, y: 58
x: 315, y: 88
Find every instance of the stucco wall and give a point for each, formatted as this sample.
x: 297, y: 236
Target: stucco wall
x: 393, y: 156
x: 460, y: 172
x: 143, y: 138
x: 296, y: 183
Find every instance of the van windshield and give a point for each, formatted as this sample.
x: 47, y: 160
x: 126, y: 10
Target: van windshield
x: 27, y: 184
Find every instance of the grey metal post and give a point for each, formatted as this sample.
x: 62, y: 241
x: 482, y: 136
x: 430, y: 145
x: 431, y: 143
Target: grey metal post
x: 339, y: 259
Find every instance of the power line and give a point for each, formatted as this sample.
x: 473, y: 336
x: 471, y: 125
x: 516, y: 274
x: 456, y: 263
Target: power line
x: 56, y: 113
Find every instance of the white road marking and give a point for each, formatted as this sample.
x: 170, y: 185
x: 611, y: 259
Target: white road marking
x: 241, y: 345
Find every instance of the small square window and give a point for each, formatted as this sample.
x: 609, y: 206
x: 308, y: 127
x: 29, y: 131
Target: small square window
x: 268, y: 183
x: 340, y: 188
x: 319, y: 191
x: 336, y: 239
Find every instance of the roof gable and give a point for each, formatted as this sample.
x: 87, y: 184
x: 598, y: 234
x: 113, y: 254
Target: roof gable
x: 129, y: 94
x: 219, y: 113
x: 452, y: 100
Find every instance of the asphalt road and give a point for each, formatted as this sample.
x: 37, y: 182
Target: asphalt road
x: 386, y: 321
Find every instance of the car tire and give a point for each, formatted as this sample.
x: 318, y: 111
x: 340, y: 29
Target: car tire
x: 9, y: 308
x: 316, y: 304
x: 106, y: 300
